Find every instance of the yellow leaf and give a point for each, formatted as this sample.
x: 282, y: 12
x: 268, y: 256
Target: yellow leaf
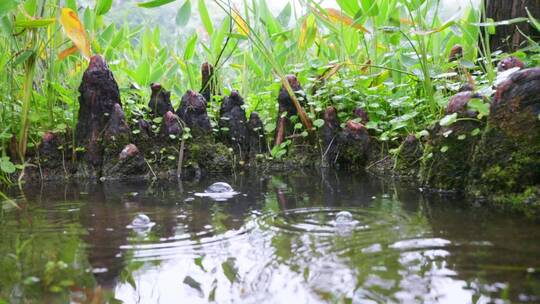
x: 243, y: 28
x: 67, y: 52
x: 335, y: 15
x: 75, y: 31
x: 406, y: 21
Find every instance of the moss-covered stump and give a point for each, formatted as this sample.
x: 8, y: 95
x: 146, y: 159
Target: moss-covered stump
x: 408, y: 159
x: 210, y: 156
x: 99, y: 96
x: 506, y: 164
x: 233, y: 124
x: 353, y: 147
x: 448, y: 154
x: 129, y: 163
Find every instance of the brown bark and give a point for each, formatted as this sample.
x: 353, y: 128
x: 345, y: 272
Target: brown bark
x: 508, y: 37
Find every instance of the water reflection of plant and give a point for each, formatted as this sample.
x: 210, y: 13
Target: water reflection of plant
x: 42, y: 266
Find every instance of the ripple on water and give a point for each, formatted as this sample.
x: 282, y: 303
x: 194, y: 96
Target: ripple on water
x: 206, y: 241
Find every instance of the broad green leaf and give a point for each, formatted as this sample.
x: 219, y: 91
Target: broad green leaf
x: 7, y: 166
x: 350, y: 7
x: 30, y: 6
x: 103, y: 6
x: 318, y: 123
x: 184, y: 13
x: 190, y: 47
x: 72, y: 4
x: 154, y: 3
x: 34, y: 23
x: 6, y: 6
x: 205, y: 17
x: 369, y: 8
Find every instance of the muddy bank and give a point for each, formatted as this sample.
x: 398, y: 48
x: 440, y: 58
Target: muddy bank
x: 494, y: 159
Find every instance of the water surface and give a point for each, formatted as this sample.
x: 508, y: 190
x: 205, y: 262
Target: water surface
x: 277, y: 241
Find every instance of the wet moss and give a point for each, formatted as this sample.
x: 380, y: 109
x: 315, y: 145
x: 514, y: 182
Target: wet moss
x: 505, y: 169
x: 408, y: 158
x: 210, y: 156
x: 447, y: 156
x: 526, y: 202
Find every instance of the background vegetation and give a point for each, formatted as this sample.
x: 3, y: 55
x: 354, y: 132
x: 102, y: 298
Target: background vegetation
x: 388, y: 57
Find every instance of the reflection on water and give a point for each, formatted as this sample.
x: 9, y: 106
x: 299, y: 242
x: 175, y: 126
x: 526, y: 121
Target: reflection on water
x: 305, y: 236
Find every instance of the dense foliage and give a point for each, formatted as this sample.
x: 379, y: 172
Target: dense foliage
x: 388, y: 57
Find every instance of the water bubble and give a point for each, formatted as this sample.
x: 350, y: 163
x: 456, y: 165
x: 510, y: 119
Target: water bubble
x: 219, y: 187
x: 141, y: 224
x: 344, y: 217
x: 141, y: 220
x: 218, y: 191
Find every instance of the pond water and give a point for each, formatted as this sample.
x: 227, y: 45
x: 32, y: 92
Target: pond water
x: 307, y: 237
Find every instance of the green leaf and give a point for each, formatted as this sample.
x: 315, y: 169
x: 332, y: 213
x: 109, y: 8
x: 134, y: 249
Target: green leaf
x: 184, y: 13
x: 7, y: 166
x: 192, y: 283
x: 72, y: 4
x: 6, y: 6
x: 479, y: 106
x: 444, y: 149
x: 534, y: 21
x: 103, y: 6
x: 154, y: 3
x: 448, y: 120
x: 205, y: 17
x: 350, y: 7
x: 23, y: 57
x: 30, y: 6
x: 34, y: 23
x: 190, y: 47
x: 285, y: 16
x: 318, y: 123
